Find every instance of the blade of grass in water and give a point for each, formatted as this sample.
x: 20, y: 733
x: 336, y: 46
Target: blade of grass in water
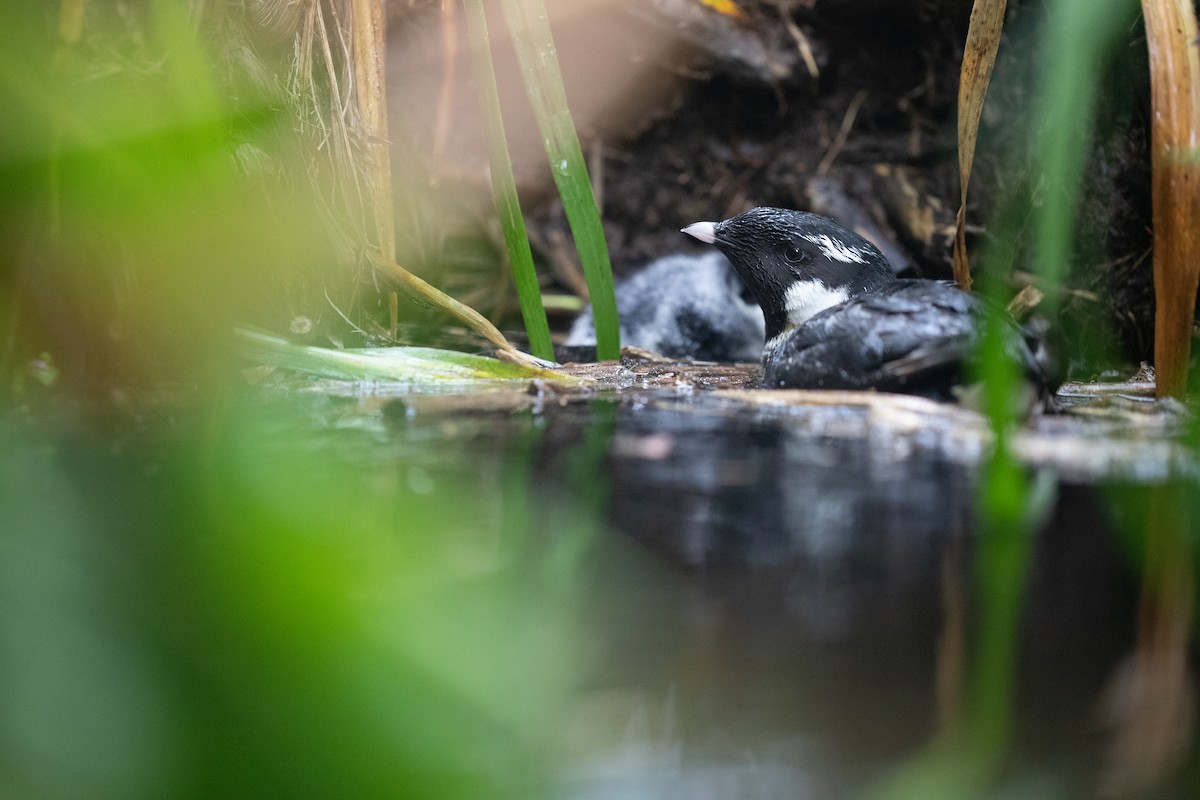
x: 543, y: 82
x: 968, y: 754
x: 504, y: 187
x: 966, y: 759
x: 1011, y: 502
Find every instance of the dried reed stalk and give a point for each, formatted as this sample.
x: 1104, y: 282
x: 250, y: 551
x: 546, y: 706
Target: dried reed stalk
x: 368, y: 59
x: 345, y: 38
x: 1175, y: 95
x: 979, y: 58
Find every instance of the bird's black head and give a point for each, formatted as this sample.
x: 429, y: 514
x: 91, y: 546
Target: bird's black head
x: 795, y: 263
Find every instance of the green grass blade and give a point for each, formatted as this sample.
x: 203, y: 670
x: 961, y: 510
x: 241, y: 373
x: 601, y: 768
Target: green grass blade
x: 543, y: 82
x: 1077, y: 35
x: 504, y: 187
x: 418, y: 366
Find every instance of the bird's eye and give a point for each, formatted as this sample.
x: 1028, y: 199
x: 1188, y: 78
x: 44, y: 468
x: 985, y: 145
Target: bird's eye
x: 794, y: 254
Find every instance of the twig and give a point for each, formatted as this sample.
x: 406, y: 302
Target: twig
x: 802, y: 43
x: 1025, y: 301
x: 339, y: 312
x: 839, y: 141
x: 422, y: 290
x: 555, y: 248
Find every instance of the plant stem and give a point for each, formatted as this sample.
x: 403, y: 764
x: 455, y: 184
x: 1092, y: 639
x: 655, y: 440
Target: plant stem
x: 543, y: 83
x: 504, y: 187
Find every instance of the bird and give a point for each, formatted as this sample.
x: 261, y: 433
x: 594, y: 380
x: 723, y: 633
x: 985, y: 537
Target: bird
x: 837, y: 317
x: 684, y: 306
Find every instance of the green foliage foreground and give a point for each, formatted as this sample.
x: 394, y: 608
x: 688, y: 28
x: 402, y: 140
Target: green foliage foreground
x: 243, y: 615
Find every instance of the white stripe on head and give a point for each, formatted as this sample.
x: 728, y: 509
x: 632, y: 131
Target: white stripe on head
x: 838, y: 251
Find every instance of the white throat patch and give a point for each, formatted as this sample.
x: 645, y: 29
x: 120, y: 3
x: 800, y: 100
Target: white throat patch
x: 838, y: 251
x: 805, y: 298
x: 802, y: 300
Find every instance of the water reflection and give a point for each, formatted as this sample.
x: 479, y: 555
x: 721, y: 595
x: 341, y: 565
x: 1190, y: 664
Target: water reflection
x: 782, y: 637
x: 649, y: 597
x: 789, y: 628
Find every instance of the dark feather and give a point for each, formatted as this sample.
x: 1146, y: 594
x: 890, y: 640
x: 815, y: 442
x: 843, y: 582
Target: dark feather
x: 912, y: 336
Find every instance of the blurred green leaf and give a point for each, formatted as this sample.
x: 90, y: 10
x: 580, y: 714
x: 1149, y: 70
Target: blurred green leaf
x: 252, y: 614
x: 1075, y: 38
